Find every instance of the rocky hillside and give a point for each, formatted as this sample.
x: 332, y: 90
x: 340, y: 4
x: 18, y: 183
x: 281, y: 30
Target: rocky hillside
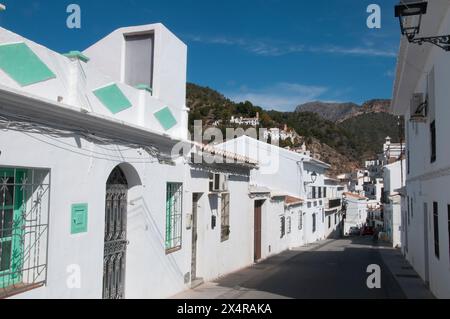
x: 355, y: 134
x: 339, y: 112
x: 329, y: 111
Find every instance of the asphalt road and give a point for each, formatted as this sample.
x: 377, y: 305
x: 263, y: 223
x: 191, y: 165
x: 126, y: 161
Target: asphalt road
x: 337, y: 269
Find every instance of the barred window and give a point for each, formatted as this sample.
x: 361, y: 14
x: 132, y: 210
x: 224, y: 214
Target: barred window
x: 289, y: 225
x: 174, y: 216
x: 225, y: 218
x: 283, y: 226
x: 300, y: 220
x: 24, y: 208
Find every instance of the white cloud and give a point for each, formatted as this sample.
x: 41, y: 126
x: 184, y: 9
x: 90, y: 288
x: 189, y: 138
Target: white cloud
x: 281, y: 96
x: 273, y: 48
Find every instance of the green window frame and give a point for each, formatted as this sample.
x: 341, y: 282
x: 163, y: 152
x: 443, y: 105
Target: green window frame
x: 174, y: 217
x: 12, y: 201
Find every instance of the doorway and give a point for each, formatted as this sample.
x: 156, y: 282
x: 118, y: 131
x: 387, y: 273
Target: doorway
x: 115, y: 245
x: 258, y: 230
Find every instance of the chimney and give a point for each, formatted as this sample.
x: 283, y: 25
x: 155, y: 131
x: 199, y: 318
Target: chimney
x: 78, y: 81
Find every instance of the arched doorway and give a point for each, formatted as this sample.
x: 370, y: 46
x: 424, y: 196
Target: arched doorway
x: 115, y: 235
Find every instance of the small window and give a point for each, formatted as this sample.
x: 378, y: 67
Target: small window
x: 139, y: 59
x: 283, y: 226
x: 320, y: 192
x: 329, y: 221
x: 436, y: 229
x: 314, y: 192
x: 433, y: 141
x: 289, y: 225
x: 335, y: 219
x: 174, y: 216
x: 300, y: 221
x: 24, y: 208
x: 225, y: 218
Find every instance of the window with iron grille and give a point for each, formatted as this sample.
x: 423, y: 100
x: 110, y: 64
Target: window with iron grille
x: 174, y: 216
x: 283, y: 226
x: 300, y: 220
x: 225, y: 218
x: 289, y: 225
x: 436, y: 229
x: 24, y: 213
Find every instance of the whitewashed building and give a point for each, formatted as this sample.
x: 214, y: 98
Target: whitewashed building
x: 421, y: 95
x: 290, y: 194
x: 355, y: 211
x: 93, y: 202
x: 394, y: 181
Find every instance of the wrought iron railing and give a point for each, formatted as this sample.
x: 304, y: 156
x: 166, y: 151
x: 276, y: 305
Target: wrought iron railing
x: 24, y: 220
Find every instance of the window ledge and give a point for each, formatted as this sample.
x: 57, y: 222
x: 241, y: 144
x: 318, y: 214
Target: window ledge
x: 172, y: 250
x: 18, y: 289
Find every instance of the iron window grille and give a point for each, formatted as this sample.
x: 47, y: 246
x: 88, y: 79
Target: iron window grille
x: 225, y: 218
x: 300, y: 221
x: 289, y: 225
x: 24, y: 221
x: 283, y: 226
x: 174, y: 216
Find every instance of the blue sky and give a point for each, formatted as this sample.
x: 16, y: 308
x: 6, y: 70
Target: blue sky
x: 275, y: 53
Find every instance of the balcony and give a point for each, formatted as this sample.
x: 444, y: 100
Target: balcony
x: 333, y: 203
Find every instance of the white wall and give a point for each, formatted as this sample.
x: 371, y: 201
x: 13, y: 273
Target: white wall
x: 427, y: 182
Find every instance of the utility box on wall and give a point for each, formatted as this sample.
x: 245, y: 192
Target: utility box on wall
x: 79, y: 218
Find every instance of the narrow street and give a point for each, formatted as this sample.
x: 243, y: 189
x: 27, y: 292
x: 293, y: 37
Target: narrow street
x: 327, y: 270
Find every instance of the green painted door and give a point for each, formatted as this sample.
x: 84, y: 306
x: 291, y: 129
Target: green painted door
x: 12, y: 198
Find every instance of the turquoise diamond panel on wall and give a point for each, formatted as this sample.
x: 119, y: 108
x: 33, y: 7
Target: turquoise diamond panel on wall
x: 113, y: 98
x: 79, y: 219
x: 23, y: 65
x: 166, y: 118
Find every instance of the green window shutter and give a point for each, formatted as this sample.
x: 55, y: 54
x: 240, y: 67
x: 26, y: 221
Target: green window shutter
x: 113, y: 98
x: 23, y: 65
x: 166, y: 118
x: 11, y: 227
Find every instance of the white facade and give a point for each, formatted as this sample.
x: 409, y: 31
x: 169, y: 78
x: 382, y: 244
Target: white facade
x: 283, y: 177
x: 356, y: 211
x: 394, y: 181
x: 61, y: 130
x: 425, y: 232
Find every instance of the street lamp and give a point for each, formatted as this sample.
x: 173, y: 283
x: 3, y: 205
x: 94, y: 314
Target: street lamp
x: 409, y: 13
